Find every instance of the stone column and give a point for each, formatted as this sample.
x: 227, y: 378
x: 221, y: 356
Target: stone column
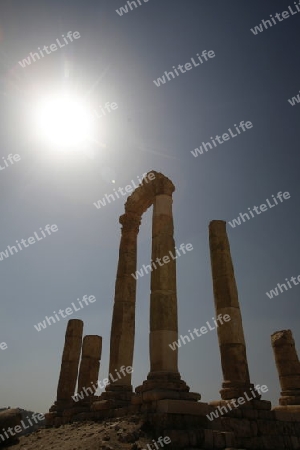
x: 90, y: 363
x: 123, y: 321
x: 70, y: 360
x: 163, y: 300
x: 230, y: 334
x: 288, y: 367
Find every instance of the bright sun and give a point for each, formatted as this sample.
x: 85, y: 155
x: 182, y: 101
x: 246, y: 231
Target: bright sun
x: 64, y: 121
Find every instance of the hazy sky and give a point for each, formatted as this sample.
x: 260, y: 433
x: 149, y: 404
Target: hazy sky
x: 116, y: 60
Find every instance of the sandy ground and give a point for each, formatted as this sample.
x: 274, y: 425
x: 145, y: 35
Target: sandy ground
x: 115, y: 434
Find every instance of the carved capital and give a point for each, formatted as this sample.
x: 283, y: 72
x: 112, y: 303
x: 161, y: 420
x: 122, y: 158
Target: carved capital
x: 130, y: 222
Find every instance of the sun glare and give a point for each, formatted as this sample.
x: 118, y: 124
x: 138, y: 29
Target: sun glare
x: 64, y: 121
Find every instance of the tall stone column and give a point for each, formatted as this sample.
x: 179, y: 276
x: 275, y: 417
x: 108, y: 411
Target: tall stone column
x: 90, y: 363
x: 288, y: 367
x: 123, y: 321
x: 230, y: 334
x: 163, y: 300
x: 70, y: 360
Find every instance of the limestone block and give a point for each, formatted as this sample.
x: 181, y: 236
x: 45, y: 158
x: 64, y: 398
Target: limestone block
x: 125, y: 289
x: 127, y: 263
x: 163, y: 311
x: 183, y: 407
x: 231, y: 332
x: 234, y: 363
x: 162, y: 357
x: 90, y: 361
x: 70, y: 360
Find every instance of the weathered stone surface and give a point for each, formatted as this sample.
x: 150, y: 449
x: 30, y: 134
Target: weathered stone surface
x: 70, y: 360
x: 230, y: 334
x: 183, y: 407
x: 288, y: 366
x: 90, y: 362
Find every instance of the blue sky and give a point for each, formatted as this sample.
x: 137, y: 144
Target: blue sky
x: 116, y: 59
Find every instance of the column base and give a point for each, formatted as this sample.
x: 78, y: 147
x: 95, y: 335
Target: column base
x: 165, y: 385
x: 117, y: 395
x: 231, y: 390
x: 291, y: 397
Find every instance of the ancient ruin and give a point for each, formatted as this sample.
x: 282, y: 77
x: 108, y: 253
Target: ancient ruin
x: 163, y: 399
x: 288, y: 367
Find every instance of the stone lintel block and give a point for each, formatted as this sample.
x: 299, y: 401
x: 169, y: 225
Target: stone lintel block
x: 231, y: 332
x: 183, y: 407
x: 163, y: 311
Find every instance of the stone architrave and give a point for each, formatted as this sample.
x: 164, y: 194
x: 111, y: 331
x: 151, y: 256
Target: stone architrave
x: 70, y: 360
x: 288, y: 367
x: 89, y: 365
x: 230, y: 334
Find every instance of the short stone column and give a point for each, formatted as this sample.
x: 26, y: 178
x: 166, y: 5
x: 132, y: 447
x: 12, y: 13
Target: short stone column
x: 123, y: 321
x: 230, y: 334
x: 70, y: 360
x: 288, y: 367
x: 89, y: 366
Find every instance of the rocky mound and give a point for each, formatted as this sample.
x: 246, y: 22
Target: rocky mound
x: 113, y: 434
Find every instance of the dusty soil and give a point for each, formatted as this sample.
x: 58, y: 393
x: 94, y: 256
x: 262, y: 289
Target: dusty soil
x: 114, y: 434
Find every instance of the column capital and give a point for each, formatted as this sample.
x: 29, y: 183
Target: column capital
x: 163, y: 186
x: 130, y: 222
